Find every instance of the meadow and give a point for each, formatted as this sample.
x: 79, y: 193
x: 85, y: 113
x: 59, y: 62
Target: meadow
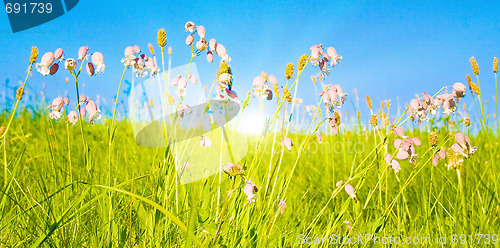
x: 75, y: 178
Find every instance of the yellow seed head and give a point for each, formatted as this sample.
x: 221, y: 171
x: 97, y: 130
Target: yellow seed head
x: 313, y: 78
x: 287, y: 95
x: 336, y: 116
x: 359, y: 115
x: 475, y: 67
x: 150, y: 102
x: 151, y: 49
x: 495, y: 65
x: 170, y: 50
x: 374, y: 120
x: 34, y: 55
x: 433, y: 139
x: 388, y: 103
x: 51, y: 131
x: 381, y: 104
x: 369, y: 101
x: 302, y: 62
x: 2, y: 130
x: 162, y: 38
x: 289, y: 71
x: 475, y: 88
x: 19, y: 93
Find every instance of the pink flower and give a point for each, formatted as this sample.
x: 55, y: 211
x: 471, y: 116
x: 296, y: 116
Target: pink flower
x: 339, y: 183
x: 59, y: 54
x: 189, y: 26
x: 73, y: 117
x: 201, y: 31
x: 201, y: 44
x: 222, y: 53
x: 250, y: 189
x: 347, y: 224
x: 440, y: 155
x: 406, y: 145
x: 333, y: 96
x: 183, y: 108
x: 55, y: 115
x: 331, y: 52
x: 83, y: 112
x: 189, y: 39
x: 287, y: 142
x: 57, y: 104
x: 261, y: 88
x: 319, y: 138
x: 233, y: 169
x: 66, y: 101
x: 463, y: 146
x: 458, y: 90
x: 90, y: 69
x: 350, y: 191
x: 47, y: 60
x: 98, y: 60
x: 70, y: 64
x: 231, y: 94
x: 418, y: 109
x: 316, y: 51
x: 212, y: 44
x: 282, y: 206
x: 224, y: 79
x: 150, y: 64
x: 392, y: 163
x: 210, y: 56
x: 205, y: 142
x: 94, y: 113
x: 447, y: 102
x: 83, y: 98
x: 175, y: 80
x: 137, y: 49
x: 82, y: 52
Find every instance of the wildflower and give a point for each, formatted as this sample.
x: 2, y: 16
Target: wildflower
x: 339, y: 183
x: 373, y: 120
x: 455, y: 161
x: 319, y: 138
x: 33, y: 55
x: 140, y: 67
x: 231, y: 94
x: 261, y: 88
x: 82, y: 52
x: 201, y: 31
x: 70, y: 64
x: 475, y: 67
x: 83, y: 98
x: 302, y: 62
x: 347, y: 224
x: 129, y: 59
x: 335, y: 123
x: 333, y: 96
x: 350, y: 191
x: 205, y: 142
x: 417, y: 109
x: 250, y: 189
x: 90, y: 69
x: 289, y: 71
x: 222, y: 53
x: 59, y: 54
x: 183, y: 108
x: 72, y: 117
x: 458, y: 91
x: 19, y: 93
x: 463, y: 146
x: 98, y: 60
x: 225, y: 80
x: 161, y: 38
x: 233, y: 169
x: 210, y: 56
x: 151, y: 66
x: 94, y: 113
x: 192, y: 78
x: 392, y: 163
x: 282, y: 206
x: 66, y: 101
x: 47, y: 60
x: 55, y: 115
x: 201, y: 44
x: 83, y: 112
x: 287, y: 142
x: 57, y: 104
x: 495, y: 65
x: 406, y: 145
x: 440, y: 155
x: 189, y: 26
x: 447, y: 102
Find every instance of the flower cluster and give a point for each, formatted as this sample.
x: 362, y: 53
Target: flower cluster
x: 333, y: 96
x: 142, y: 64
x: 250, y: 189
x: 261, y: 88
x: 90, y: 108
x: 321, y: 58
x: 181, y: 83
x: 48, y: 64
x: 201, y: 45
x: 405, y: 146
x: 334, y: 122
x: 419, y: 109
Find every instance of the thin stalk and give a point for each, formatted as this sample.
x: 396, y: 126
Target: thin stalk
x: 482, y: 108
x: 496, y: 100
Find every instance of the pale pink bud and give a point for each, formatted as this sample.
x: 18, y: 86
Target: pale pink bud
x: 129, y: 51
x: 287, y: 142
x: 331, y: 52
x: 137, y: 49
x: 58, y: 54
x: 201, y: 31
x: 175, y: 81
x: 66, y: 101
x: 83, y: 112
x: 399, y: 131
x: 315, y: 51
x: 57, y: 104
x: 83, y: 98
x: 459, y: 90
x: 210, y: 56
x: 182, y: 83
x: 193, y: 78
x: 220, y: 50
x: 97, y: 58
x: 82, y: 52
x: 189, y: 39
x: 231, y: 94
x: 212, y: 44
x: 350, y: 191
x: 339, y: 183
x: 91, y: 107
x: 47, y: 59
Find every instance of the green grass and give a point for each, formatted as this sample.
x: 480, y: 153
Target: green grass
x: 52, y: 198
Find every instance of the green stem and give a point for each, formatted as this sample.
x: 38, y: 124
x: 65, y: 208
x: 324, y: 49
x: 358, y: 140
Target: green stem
x: 482, y: 108
x: 496, y: 100
x: 117, y: 95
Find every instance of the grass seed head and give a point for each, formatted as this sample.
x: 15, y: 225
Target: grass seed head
x: 302, y: 62
x: 369, y: 101
x: 287, y: 95
x: 151, y: 49
x: 34, y: 55
x: 475, y: 67
x: 373, y: 120
x: 162, y: 38
x: 433, y: 138
x: 495, y: 65
x: 289, y: 71
x: 20, y: 93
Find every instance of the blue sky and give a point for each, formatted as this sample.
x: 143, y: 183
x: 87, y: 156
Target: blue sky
x: 390, y: 49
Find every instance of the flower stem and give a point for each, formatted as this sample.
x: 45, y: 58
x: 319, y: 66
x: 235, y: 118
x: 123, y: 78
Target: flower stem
x: 482, y: 108
x: 496, y: 100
